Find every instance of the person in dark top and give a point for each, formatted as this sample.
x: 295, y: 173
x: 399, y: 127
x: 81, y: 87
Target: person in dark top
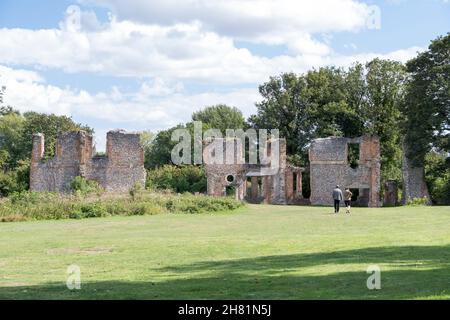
x: 337, y: 197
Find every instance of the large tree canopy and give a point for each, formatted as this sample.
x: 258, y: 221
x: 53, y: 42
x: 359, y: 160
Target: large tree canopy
x: 220, y: 117
x: 331, y: 101
x: 384, y: 96
x: 427, y: 105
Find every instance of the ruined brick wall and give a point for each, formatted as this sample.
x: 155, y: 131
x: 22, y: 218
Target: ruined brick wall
x: 275, y: 186
x: 125, y: 161
x: 390, y: 193
x: 414, y: 185
x: 56, y: 173
x: 222, y: 172
x: 329, y: 166
x: 122, y: 166
x: 294, y: 179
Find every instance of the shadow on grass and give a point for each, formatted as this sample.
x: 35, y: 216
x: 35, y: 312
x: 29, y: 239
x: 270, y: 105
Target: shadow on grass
x: 410, y: 272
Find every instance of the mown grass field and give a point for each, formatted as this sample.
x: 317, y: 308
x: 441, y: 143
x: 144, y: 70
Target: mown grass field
x: 256, y: 252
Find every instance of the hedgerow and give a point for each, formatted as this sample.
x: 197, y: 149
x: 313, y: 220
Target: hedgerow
x: 42, y: 206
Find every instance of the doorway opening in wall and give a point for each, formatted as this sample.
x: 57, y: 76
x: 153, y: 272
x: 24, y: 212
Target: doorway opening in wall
x: 360, y: 197
x: 254, y: 193
x: 353, y: 155
x: 230, y: 191
x: 260, y: 188
x: 294, y: 182
x: 355, y: 194
x: 306, y: 184
x: 248, y: 188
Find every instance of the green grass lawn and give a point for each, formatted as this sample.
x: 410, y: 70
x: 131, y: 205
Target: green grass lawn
x: 258, y: 252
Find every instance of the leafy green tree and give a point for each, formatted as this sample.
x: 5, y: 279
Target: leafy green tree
x: 427, y: 103
x: 437, y: 176
x: 220, y: 117
x: 317, y: 104
x: 364, y: 99
x: 16, y: 142
x: 188, y: 178
x: 16, y: 180
x: 11, y: 130
x: 2, y: 93
x: 385, y: 90
x: 4, y: 110
x: 51, y: 126
x: 285, y: 107
x: 331, y: 113
x: 159, y: 152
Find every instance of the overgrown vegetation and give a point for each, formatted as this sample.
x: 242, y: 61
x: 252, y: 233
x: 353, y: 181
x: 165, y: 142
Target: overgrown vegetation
x: 16, y: 132
x: 417, y: 201
x: 177, y: 178
x: 437, y: 173
x: 80, y: 186
x: 42, y: 206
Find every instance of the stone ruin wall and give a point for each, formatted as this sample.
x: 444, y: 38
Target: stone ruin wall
x: 118, y: 170
x: 329, y: 167
x: 217, y: 173
x: 275, y: 186
x: 414, y: 185
x: 390, y: 193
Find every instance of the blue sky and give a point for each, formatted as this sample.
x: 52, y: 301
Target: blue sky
x: 149, y: 64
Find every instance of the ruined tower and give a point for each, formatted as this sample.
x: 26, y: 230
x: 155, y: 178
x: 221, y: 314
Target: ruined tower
x: 330, y: 166
x: 118, y: 170
x: 274, y: 182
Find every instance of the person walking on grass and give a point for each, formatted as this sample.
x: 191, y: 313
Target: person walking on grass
x: 337, y: 197
x: 347, y: 199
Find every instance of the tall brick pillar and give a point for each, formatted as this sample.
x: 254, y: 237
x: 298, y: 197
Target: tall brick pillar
x: 267, y: 181
x: 255, y: 191
x: 38, y: 147
x: 37, y: 152
x: 390, y: 193
x: 299, y: 183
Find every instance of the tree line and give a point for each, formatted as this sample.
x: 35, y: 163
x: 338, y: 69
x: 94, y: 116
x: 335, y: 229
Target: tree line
x: 401, y: 103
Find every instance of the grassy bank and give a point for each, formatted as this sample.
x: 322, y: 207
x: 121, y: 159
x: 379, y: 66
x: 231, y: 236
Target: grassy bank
x: 44, y: 206
x: 260, y: 251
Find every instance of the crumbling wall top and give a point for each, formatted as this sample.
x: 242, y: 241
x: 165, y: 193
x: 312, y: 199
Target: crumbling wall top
x: 118, y: 170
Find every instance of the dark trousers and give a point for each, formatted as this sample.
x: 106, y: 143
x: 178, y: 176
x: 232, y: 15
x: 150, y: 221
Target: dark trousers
x: 336, y: 205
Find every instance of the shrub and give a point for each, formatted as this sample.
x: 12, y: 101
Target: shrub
x: 14, y: 181
x: 437, y: 175
x: 30, y: 198
x: 38, y: 206
x: 88, y: 210
x: 181, y: 179
x: 81, y: 186
x: 417, y: 201
x: 135, y: 190
x: 146, y: 208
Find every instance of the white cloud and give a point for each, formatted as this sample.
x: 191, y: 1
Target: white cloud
x: 180, y: 52
x: 247, y: 19
x: 156, y: 105
x: 190, y: 40
x: 166, y: 45
x: 130, y: 49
